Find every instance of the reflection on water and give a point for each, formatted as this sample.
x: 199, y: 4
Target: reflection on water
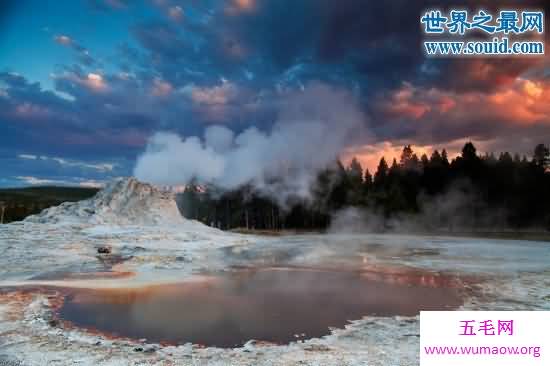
x: 276, y: 305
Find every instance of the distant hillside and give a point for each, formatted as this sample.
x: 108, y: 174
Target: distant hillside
x: 18, y: 203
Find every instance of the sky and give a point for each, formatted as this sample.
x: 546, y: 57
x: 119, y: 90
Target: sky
x: 85, y: 84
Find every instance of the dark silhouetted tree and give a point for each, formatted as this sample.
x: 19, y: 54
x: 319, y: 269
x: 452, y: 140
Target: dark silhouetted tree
x: 381, y: 173
x: 541, y: 157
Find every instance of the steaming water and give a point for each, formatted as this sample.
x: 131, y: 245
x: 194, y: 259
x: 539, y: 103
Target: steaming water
x: 456, y: 254
x: 314, y: 282
x: 277, y: 305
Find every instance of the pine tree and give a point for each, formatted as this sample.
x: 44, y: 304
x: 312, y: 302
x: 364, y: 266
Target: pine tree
x: 469, y: 152
x: 355, y: 172
x: 444, y: 158
x: 368, y: 178
x: 424, y: 160
x: 541, y: 156
x: 435, y: 159
x: 381, y: 173
x: 406, y: 157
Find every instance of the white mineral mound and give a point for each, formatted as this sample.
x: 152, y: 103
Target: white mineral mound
x: 124, y: 201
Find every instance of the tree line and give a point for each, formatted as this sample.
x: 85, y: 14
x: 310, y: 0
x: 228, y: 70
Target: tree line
x: 18, y: 203
x: 468, y: 192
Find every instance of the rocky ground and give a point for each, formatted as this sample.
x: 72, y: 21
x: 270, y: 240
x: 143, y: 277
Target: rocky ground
x: 150, y: 243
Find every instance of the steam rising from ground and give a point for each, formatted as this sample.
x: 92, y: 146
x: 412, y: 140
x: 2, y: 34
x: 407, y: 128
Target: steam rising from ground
x: 458, y: 209
x: 313, y: 127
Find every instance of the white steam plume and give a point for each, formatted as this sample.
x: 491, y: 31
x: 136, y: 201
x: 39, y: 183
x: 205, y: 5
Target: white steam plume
x: 314, y: 126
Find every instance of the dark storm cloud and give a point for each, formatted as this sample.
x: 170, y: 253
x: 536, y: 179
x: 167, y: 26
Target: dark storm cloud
x: 162, y: 40
x: 45, y: 122
x: 18, y: 91
x: 514, y: 118
x: 379, y: 40
x: 482, y: 74
x: 178, y: 56
x: 376, y: 47
x: 377, y: 44
x: 231, y: 62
